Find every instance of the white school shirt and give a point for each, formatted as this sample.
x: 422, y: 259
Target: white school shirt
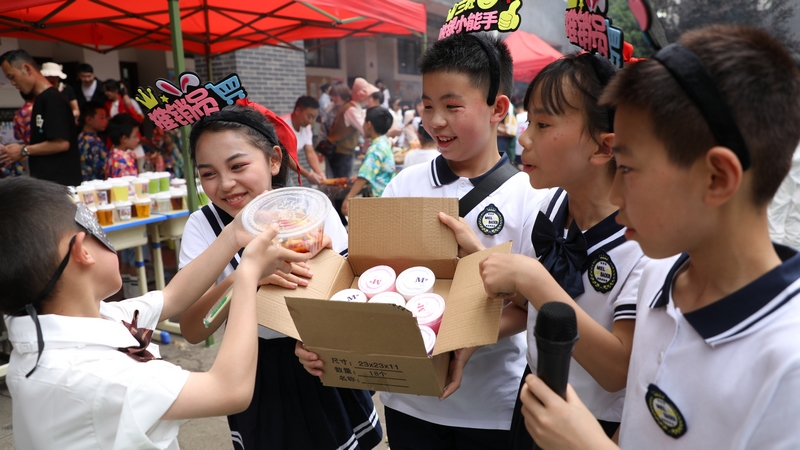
x: 198, y: 236
x: 491, y: 380
x: 86, y: 394
x: 610, y: 254
x: 732, y: 368
x: 304, y: 137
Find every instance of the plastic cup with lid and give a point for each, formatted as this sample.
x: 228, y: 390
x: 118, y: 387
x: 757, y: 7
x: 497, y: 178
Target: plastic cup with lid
x: 163, y: 181
x: 122, y: 211
x: 153, y: 186
x: 428, y: 309
x: 350, y: 295
x: 86, y: 194
x: 176, y: 199
x: 163, y: 202
x: 177, y: 182
x: 141, y: 208
x: 392, y: 298
x: 119, y: 190
x: 376, y: 280
x: 299, y: 212
x: 105, y: 214
x: 428, y: 338
x: 102, y: 193
x: 414, y: 281
x: 141, y: 187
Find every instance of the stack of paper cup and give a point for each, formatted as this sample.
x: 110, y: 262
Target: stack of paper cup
x: 350, y: 295
x: 415, y: 281
x: 428, y: 337
x: 377, y: 280
x: 428, y: 309
x: 392, y: 298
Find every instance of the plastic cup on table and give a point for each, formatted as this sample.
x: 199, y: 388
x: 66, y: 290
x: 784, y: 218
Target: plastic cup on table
x: 102, y: 193
x: 141, y: 208
x: 163, y: 202
x: 299, y: 212
x: 86, y: 194
x: 141, y: 187
x: 105, y: 214
x: 122, y: 211
x: 119, y: 190
x: 176, y: 199
x: 163, y: 181
x: 428, y: 309
x: 153, y: 185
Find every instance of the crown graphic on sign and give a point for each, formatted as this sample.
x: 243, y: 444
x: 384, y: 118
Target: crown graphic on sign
x: 193, y: 100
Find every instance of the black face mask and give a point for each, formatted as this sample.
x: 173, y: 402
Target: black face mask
x: 87, y: 220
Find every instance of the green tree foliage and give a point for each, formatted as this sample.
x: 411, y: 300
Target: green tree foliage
x: 622, y: 18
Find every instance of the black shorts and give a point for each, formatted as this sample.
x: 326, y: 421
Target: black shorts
x: 409, y: 433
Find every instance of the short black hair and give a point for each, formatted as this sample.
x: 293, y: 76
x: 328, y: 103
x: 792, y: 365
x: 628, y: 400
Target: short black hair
x: 324, y: 87
x: 85, y: 68
x: 377, y: 95
x: 305, y: 102
x: 40, y: 214
x: 111, y: 85
x: 758, y: 79
x: 463, y: 53
x: 18, y: 57
x: 89, y: 109
x: 251, y: 135
x: 120, y: 126
x: 380, y: 118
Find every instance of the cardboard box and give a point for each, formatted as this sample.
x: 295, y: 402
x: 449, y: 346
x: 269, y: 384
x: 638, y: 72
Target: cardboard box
x: 379, y: 346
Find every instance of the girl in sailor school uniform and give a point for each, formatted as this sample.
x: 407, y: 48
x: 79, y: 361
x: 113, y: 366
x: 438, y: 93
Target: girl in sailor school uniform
x: 584, y: 259
x: 238, y: 156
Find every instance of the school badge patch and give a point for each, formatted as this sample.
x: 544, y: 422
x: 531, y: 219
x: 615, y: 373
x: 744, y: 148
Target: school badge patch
x: 602, y: 273
x: 490, y: 220
x: 665, y: 413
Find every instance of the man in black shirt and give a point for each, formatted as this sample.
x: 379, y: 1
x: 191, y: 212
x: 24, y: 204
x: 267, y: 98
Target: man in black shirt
x: 53, y: 150
x: 89, y: 88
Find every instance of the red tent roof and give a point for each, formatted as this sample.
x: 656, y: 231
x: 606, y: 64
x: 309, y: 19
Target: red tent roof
x: 213, y: 26
x: 530, y: 54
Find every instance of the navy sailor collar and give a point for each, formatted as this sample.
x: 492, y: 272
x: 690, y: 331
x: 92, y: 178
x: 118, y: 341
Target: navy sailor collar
x: 728, y: 318
x: 441, y: 173
x: 603, y: 236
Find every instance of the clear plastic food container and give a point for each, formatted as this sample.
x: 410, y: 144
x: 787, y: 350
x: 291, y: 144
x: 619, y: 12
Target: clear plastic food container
x: 299, y: 212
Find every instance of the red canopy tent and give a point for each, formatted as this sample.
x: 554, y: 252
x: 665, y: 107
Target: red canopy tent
x: 530, y: 54
x: 209, y: 26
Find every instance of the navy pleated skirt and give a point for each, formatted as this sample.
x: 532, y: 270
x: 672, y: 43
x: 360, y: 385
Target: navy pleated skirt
x: 292, y: 410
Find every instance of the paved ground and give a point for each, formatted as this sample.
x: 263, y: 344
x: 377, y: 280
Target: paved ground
x: 202, y: 434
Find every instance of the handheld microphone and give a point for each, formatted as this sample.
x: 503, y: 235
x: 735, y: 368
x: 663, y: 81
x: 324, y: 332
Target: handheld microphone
x: 556, y: 331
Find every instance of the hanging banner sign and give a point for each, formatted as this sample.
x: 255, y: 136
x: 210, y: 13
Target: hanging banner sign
x: 187, y: 104
x: 468, y: 16
x: 588, y: 27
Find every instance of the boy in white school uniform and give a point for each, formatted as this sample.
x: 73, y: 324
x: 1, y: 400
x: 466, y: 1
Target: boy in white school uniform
x: 701, y: 150
x: 462, y: 107
x: 82, y: 374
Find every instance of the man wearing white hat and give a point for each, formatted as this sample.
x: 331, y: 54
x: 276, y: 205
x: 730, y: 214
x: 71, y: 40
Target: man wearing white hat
x: 55, y: 74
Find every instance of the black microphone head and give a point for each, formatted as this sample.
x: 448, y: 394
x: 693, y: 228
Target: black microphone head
x: 556, y: 322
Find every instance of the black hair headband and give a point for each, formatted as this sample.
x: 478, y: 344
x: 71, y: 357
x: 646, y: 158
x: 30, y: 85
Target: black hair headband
x: 604, y: 71
x: 494, y: 68
x: 693, y: 77
x: 242, y: 119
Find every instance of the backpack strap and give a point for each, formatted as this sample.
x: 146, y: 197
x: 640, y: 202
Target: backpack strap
x: 485, y: 188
